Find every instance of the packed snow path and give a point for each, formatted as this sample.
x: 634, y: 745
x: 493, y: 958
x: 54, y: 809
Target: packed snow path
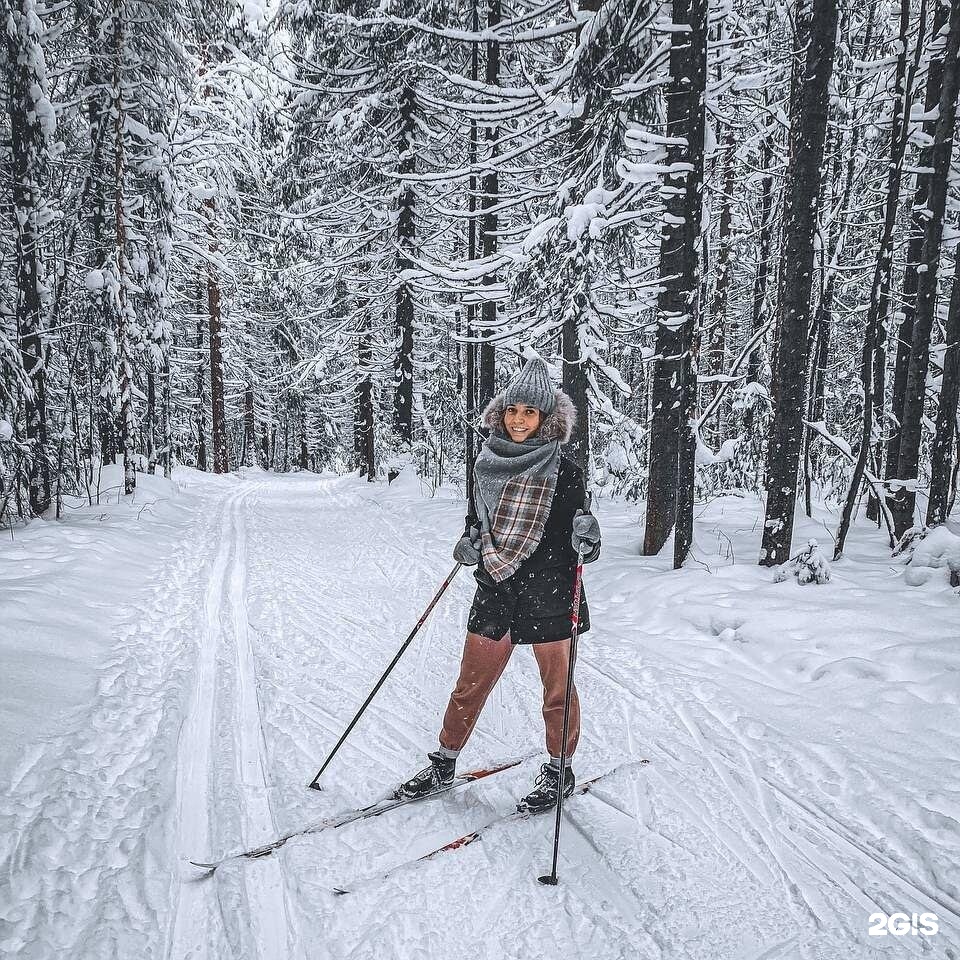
x: 803, y: 746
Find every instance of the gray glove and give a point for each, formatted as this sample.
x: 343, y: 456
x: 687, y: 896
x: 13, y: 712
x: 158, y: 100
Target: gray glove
x: 467, y: 550
x: 586, y: 531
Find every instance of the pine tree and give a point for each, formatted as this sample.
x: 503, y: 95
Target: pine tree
x: 816, y: 38
x: 32, y: 123
x: 908, y: 464
x: 670, y: 488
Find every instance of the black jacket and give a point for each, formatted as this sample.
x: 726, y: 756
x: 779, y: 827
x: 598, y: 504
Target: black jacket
x: 537, y: 599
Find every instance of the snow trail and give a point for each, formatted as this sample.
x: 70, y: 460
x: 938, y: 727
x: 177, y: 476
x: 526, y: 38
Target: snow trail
x: 267, y: 893
x: 198, y: 919
x: 770, y: 822
x: 194, y: 911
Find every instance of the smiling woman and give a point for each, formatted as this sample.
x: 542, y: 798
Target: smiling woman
x: 526, y: 524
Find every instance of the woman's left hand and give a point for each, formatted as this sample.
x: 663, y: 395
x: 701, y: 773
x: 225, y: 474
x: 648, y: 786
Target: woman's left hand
x: 586, y: 531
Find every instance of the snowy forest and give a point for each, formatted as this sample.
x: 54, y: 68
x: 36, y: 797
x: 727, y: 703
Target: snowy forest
x: 317, y: 235
x: 265, y: 264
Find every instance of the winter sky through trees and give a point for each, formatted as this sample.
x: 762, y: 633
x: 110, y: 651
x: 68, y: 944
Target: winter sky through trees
x: 309, y: 234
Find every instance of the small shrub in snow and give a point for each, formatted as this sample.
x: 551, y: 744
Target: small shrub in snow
x: 932, y: 549
x: 809, y: 566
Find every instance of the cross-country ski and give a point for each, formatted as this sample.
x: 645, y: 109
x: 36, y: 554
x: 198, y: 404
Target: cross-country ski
x: 521, y: 812
x: 392, y: 801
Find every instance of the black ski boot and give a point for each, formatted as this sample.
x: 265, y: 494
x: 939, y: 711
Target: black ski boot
x: 439, y: 774
x: 544, y: 796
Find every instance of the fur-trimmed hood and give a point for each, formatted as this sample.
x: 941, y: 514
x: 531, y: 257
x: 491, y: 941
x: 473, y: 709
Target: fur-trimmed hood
x: 557, y: 425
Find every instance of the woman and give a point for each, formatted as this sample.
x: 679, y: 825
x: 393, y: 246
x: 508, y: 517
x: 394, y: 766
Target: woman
x: 528, y: 520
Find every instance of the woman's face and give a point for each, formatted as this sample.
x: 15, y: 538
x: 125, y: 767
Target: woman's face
x: 521, y: 421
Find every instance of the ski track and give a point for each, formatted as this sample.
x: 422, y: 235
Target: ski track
x: 783, y: 854
x: 236, y: 675
x: 267, y: 893
x: 259, y: 920
x: 802, y: 850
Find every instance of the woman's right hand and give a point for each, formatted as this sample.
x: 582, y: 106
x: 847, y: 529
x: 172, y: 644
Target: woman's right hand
x: 467, y: 550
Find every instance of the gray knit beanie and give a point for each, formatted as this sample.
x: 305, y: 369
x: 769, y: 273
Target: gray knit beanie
x: 532, y: 386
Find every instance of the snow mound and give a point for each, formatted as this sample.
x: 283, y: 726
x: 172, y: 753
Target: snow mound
x: 809, y: 566
x: 935, y: 549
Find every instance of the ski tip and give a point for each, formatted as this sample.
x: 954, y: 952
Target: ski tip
x: 191, y: 871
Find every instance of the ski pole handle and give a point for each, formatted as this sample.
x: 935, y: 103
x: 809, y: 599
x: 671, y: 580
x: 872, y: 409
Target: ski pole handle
x: 314, y: 784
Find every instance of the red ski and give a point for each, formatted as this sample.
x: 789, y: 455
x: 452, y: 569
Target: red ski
x: 584, y: 787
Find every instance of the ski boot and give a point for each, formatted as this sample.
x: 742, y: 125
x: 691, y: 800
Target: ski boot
x: 439, y: 774
x: 544, y: 795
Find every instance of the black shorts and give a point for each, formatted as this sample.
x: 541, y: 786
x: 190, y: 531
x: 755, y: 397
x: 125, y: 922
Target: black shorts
x: 535, y: 606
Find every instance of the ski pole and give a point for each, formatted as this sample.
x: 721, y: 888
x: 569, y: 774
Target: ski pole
x: 315, y: 783
x: 551, y: 878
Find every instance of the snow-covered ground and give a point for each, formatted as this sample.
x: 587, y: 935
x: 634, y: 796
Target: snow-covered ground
x: 174, y: 671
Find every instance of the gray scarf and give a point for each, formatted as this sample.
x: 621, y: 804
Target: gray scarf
x: 536, y: 460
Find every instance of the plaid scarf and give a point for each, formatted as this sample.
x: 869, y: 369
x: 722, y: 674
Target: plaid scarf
x: 514, y: 485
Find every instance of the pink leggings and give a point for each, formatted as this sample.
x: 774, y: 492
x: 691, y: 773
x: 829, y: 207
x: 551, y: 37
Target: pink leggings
x: 483, y: 663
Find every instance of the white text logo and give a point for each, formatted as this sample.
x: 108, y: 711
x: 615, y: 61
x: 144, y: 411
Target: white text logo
x: 900, y: 924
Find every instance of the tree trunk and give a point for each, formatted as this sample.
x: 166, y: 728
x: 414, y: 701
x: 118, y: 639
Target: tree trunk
x: 911, y: 276
x: 27, y: 154
x: 470, y: 358
x: 873, y: 359
x: 99, y: 313
x: 302, y: 430
x: 201, y: 387
x: 577, y: 280
x: 123, y: 307
x: 671, y: 476
x: 715, y: 350
x: 151, y: 421
x: 901, y: 110
x: 816, y: 26
x: 265, y: 447
x: 364, y: 410
x: 166, y: 419
x: 915, y: 393
x: 406, y: 231
x: 574, y: 368
x: 760, y: 283
x: 491, y: 196
x: 218, y: 416
x: 941, y: 451
x: 249, y: 457
x: 816, y: 406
